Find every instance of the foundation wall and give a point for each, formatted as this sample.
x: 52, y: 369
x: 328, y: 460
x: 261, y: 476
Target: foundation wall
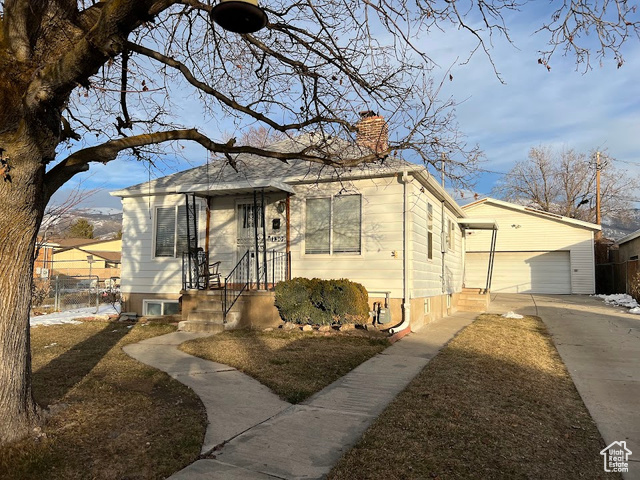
x: 133, y: 302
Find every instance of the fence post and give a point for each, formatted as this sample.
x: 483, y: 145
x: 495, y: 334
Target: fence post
x: 56, y: 300
x: 97, y: 295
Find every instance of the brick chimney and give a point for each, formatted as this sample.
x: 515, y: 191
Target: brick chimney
x: 372, y: 132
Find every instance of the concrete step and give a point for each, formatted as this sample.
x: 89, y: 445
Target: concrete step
x: 476, y: 291
x: 206, y: 316
x: 209, y: 306
x: 197, y: 326
x: 472, y: 308
x: 472, y: 301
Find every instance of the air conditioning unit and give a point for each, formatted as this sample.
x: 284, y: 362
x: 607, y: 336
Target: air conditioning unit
x: 44, y: 273
x: 38, y: 270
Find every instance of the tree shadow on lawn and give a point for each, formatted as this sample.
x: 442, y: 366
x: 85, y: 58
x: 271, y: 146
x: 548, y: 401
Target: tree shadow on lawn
x: 54, y: 380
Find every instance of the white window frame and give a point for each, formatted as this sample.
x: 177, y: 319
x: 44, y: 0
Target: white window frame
x: 331, y: 252
x: 429, y: 232
x: 451, y: 235
x: 161, y: 301
x: 175, y: 229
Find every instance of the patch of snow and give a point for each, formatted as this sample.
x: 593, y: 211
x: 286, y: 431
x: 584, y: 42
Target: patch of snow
x: 69, y: 316
x: 635, y: 310
x: 621, y: 299
x: 51, y: 345
x: 512, y: 315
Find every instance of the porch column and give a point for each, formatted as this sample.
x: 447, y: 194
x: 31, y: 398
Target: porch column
x: 287, y: 274
x: 255, y: 236
x: 264, y: 242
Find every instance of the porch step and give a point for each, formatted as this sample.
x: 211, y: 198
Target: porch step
x: 477, y: 291
x: 472, y: 300
x: 200, y: 326
x: 209, y: 306
x: 208, y: 321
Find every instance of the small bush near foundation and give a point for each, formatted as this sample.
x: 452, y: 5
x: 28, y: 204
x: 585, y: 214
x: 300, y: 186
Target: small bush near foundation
x: 322, y: 302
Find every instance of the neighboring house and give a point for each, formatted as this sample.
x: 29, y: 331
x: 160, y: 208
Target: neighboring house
x: 81, y: 257
x: 629, y: 247
x: 44, y: 258
x: 388, y: 225
x: 535, y: 251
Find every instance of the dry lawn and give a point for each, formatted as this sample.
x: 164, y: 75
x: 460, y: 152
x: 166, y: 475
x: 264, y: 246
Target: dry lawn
x: 112, y: 417
x: 496, y: 403
x: 293, y: 364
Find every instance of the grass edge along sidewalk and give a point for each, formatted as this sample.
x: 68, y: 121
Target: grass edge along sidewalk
x: 497, y: 402
x: 293, y: 364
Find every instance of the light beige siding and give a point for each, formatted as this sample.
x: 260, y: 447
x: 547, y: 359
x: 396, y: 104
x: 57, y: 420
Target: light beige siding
x: 380, y: 264
x: 141, y: 271
x: 426, y: 274
x: 528, y: 232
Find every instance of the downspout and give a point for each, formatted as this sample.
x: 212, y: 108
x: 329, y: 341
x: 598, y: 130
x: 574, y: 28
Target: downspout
x: 406, y: 305
x: 443, y: 247
x: 288, y: 247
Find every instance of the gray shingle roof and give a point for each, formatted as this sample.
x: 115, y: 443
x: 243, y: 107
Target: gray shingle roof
x: 254, y: 169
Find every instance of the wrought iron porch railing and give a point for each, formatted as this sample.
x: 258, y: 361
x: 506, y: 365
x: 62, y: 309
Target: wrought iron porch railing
x: 195, y: 270
x: 235, y: 283
x: 277, y: 269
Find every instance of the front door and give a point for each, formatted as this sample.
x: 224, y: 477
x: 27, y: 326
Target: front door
x: 249, y: 221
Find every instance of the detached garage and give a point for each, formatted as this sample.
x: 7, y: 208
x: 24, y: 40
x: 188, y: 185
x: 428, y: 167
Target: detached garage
x: 535, y: 251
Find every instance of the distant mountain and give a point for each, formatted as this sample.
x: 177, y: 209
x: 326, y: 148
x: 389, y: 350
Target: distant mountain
x: 106, y: 221
x: 616, y: 229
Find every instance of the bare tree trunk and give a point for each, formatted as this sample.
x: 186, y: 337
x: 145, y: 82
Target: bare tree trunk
x: 22, y: 202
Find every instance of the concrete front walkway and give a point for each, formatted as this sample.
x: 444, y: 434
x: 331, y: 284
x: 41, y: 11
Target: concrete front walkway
x: 258, y: 436
x: 600, y: 345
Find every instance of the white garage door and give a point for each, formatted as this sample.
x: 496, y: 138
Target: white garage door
x: 521, y: 272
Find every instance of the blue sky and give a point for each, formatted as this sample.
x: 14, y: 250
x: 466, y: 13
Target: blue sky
x: 563, y: 107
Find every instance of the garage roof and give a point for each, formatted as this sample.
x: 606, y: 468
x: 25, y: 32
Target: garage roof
x: 534, y: 211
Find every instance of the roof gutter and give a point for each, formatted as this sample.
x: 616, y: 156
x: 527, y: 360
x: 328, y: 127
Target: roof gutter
x: 440, y: 193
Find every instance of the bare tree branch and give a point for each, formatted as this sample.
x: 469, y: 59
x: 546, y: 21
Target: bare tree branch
x: 79, y: 161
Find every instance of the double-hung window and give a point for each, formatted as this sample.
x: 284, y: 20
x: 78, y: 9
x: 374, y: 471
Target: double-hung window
x: 451, y: 235
x: 171, y: 231
x: 429, y: 231
x: 333, y: 225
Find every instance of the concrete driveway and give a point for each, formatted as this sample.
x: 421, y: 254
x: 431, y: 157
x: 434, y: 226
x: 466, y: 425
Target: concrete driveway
x: 600, y: 345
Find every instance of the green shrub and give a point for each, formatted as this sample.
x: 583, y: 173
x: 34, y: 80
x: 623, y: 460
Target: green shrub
x: 323, y: 302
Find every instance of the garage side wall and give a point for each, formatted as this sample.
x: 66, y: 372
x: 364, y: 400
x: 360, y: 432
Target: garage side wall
x: 527, y: 232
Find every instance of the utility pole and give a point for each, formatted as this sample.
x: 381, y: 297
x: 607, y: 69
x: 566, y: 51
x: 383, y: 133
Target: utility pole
x: 598, y: 235
x: 444, y: 156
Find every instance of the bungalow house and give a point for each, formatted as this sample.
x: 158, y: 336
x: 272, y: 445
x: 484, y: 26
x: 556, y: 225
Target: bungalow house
x: 388, y: 225
x: 534, y: 251
x: 80, y: 257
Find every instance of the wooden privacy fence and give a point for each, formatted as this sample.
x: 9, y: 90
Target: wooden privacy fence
x: 615, y: 277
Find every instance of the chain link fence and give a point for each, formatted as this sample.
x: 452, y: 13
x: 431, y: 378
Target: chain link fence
x: 69, y: 292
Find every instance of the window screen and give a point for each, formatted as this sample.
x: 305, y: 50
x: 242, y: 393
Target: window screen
x: 318, y: 225
x: 165, y: 231
x: 346, y: 224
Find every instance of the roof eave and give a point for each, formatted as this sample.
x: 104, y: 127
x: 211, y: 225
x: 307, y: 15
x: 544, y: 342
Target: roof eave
x: 533, y: 211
